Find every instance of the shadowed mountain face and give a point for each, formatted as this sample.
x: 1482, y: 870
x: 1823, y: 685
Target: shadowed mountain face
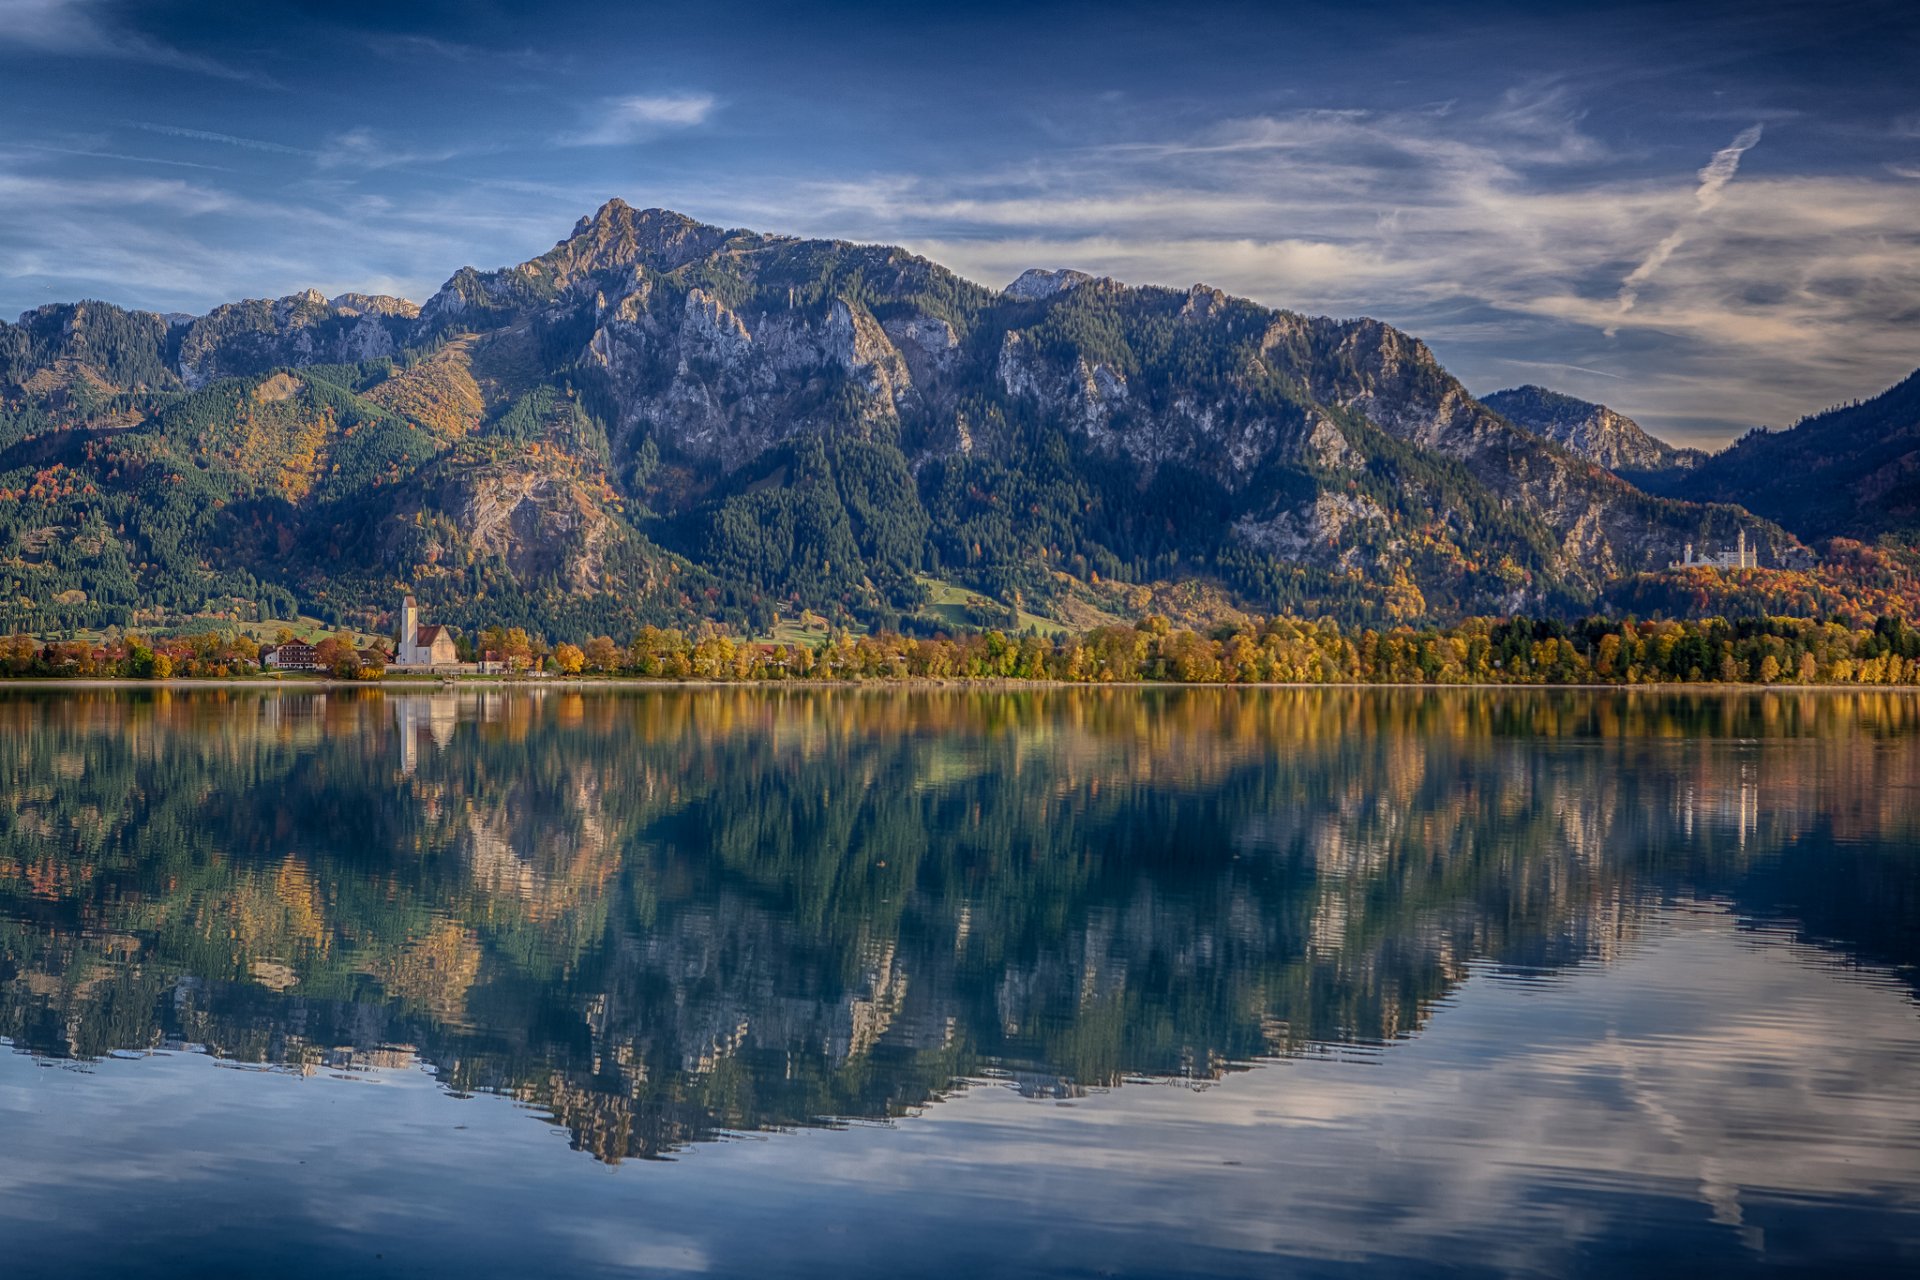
x: 1853, y: 470
x: 659, y: 420
x: 660, y: 916
x: 1593, y: 431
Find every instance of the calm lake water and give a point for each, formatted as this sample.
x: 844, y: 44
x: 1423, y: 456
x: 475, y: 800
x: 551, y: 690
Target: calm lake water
x: 870, y: 983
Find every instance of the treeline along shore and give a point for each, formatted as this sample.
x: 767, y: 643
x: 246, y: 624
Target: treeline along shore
x: 1279, y: 650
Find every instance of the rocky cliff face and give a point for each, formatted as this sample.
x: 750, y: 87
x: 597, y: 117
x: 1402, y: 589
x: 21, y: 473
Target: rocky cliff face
x: 251, y: 337
x: 1593, y: 431
x: 651, y: 372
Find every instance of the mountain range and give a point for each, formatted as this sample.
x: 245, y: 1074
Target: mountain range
x: 661, y: 421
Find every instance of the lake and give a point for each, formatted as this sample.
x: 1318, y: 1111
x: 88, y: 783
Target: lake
x: 869, y: 982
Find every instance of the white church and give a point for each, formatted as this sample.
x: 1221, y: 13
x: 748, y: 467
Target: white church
x: 424, y: 647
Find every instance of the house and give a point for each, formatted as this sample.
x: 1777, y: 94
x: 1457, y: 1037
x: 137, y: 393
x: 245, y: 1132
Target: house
x: 294, y: 655
x: 422, y: 646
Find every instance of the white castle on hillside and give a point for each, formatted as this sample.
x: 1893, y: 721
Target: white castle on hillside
x: 422, y: 646
x: 1740, y: 556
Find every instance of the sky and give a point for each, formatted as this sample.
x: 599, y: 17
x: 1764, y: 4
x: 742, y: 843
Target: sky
x: 1706, y: 216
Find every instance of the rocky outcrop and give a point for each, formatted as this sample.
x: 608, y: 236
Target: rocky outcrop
x: 1593, y: 431
x: 1038, y: 283
x: 255, y: 336
x: 374, y: 304
x: 545, y: 526
x: 1329, y: 531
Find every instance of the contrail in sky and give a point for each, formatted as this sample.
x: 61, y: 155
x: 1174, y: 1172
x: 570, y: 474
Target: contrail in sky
x: 1713, y: 180
x: 224, y: 139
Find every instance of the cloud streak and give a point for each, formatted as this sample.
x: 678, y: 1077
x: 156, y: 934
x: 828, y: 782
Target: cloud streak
x: 365, y: 150
x: 126, y: 156
x: 223, y: 139
x: 1714, y: 178
x: 641, y: 117
x: 78, y: 28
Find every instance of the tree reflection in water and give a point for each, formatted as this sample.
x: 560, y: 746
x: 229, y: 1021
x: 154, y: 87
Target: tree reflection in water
x: 657, y: 915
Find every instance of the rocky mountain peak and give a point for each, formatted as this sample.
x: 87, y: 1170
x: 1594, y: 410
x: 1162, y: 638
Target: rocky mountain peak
x: 607, y: 215
x: 617, y: 235
x: 1036, y: 283
x: 1591, y: 430
x: 373, y: 304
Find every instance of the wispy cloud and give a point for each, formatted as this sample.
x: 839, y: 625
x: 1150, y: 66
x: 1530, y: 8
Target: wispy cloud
x: 415, y: 48
x: 364, y: 149
x: 96, y: 154
x: 1483, y: 231
x: 223, y: 139
x: 1713, y: 180
x: 179, y: 244
x: 637, y: 118
x: 351, y: 149
x: 1559, y: 365
x: 83, y: 28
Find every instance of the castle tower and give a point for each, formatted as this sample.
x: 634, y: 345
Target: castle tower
x: 1746, y: 557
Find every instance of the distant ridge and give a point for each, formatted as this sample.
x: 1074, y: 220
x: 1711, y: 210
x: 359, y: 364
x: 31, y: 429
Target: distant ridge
x: 1591, y: 430
x: 1854, y: 469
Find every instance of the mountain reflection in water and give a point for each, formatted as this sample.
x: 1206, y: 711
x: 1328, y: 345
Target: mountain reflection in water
x: 659, y: 917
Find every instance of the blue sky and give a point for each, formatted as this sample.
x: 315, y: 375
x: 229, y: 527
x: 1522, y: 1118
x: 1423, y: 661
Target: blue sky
x: 1707, y: 216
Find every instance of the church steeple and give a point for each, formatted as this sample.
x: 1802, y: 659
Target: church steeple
x: 409, y: 629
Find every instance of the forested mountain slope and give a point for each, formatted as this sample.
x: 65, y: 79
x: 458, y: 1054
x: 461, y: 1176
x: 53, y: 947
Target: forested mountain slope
x: 661, y: 420
x: 1853, y: 470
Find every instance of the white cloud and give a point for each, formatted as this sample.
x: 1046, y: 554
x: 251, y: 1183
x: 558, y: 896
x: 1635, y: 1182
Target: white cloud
x: 167, y: 244
x: 364, y: 149
x: 77, y: 27
x: 617, y: 121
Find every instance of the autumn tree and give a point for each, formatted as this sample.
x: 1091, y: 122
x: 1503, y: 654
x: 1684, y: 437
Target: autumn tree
x: 602, y: 654
x: 339, y: 655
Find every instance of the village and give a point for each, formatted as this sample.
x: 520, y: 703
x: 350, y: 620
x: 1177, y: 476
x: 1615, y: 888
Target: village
x: 422, y: 648
x: 418, y: 649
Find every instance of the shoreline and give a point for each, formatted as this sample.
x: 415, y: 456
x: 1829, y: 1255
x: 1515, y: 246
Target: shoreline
x: 413, y: 684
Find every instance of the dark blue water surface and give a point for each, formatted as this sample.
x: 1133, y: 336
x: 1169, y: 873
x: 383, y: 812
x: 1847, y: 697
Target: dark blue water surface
x: 869, y: 983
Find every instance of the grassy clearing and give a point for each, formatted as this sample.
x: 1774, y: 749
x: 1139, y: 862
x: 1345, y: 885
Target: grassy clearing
x: 952, y: 603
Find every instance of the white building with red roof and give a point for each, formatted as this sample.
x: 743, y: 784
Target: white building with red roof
x: 422, y: 646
